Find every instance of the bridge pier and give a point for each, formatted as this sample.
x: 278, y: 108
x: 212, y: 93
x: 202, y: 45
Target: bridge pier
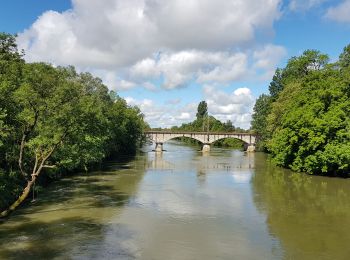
x: 159, y: 147
x: 251, y: 148
x: 160, y: 137
x: 206, y: 148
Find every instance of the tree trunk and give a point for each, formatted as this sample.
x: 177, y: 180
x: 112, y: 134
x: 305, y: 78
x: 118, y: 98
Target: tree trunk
x: 38, y: 167
x: 20, y: 199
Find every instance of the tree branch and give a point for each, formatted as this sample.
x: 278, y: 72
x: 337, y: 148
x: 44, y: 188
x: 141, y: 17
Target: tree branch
x: 36, y: 162
x: 49, y: 166
x: 20, y: 159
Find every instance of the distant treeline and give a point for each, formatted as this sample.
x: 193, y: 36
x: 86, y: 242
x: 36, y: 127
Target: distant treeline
x: 304, y: 122
x: 204, y: 123
x: 54, y: 121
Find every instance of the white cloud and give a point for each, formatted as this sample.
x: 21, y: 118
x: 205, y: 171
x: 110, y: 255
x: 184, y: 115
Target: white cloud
x: 303, y: 5
x: 164, y: 115
x: 116, y: 33
x: 184, y: 116
x: 144, y: 69
x: 179, y: 68
x: 113, y: 81
x: 340, y: 13
x: 159, y: 45
x: 228, y: 68
x: 236, y: 106
x: 267, y: 59
x: 142, y: 40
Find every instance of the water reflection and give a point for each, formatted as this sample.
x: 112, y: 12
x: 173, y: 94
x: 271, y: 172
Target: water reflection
x: 158, y: 163
x: 184, y: 204
x: 71, y: 218
x: 310, y: 215
x: 202, y: 209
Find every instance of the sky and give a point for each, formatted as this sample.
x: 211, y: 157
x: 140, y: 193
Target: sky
x: 167, y: 56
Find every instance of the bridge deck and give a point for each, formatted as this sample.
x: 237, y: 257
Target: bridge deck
x: 197, y: 133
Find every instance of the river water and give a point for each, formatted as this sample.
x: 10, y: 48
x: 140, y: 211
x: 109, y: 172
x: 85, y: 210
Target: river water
x: 183, y: 204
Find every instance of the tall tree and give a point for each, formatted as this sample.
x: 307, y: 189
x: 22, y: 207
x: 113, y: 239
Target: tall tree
x: 202, y: 110
x: 261, y: 111
x: 276, y: 85
x: 344, y: 58
x: 299, y: 67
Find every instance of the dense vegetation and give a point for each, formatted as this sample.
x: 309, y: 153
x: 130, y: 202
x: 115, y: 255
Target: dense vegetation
x: 204, y: 123
x: 55, y: 120
x: 304, y: 122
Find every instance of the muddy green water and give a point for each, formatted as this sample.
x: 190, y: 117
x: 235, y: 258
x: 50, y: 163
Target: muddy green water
x: 185, y: 205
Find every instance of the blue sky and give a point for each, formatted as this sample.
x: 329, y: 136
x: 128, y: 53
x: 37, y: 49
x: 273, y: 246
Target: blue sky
x: 166, y: 57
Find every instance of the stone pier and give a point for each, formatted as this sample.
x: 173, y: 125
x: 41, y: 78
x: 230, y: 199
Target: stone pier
x: 206, y: 148
x: 159, y: 147
x: 251, y: 148
x: 160, y: 137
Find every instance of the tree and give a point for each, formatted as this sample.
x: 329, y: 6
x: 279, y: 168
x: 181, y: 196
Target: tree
x: 202, y: 110
x: 64, y: 121
x: 276, y: 85
x: 310, y: 123
x: 305, y: 121
x: 55, y: 120
x: 47, y: 105
x: 299, y: 67
x: 344, y: 58
x: 261, y: 111
x: 8, y: 48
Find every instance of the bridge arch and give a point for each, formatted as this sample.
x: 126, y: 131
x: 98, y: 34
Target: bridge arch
x: 165, y: 138
x: 160, y: 137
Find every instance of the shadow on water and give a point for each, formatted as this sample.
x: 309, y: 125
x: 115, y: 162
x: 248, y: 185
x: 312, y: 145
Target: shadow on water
x: 310, y: 215
x: 48, y: 240
x: 39, y: 244
x: 84, y: 187
x: 71, y: 217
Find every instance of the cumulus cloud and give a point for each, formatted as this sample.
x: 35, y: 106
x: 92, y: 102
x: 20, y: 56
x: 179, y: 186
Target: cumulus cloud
x: 114, y: 33
x: 164, y: 115
x: 340, y: 13
x: 236, y: 106
x: 141, y: 40
x: 267, y: 58
x: 179, y: 68
x: 156, y: 45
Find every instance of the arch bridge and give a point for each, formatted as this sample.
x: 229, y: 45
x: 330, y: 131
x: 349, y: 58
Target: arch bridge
x: 160, y: 137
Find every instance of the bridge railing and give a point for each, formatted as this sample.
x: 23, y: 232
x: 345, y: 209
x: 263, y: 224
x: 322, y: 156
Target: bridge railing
x: 200, y: 133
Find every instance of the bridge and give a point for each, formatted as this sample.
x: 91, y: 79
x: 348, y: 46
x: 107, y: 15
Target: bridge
x: 205, y: 138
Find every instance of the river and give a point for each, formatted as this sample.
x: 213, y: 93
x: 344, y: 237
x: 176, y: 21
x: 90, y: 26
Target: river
x: 183, y: 204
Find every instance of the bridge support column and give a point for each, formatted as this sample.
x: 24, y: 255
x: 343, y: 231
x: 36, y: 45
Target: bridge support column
x: 159, y: 147
x: 251, y: 148
x: 206, y: 148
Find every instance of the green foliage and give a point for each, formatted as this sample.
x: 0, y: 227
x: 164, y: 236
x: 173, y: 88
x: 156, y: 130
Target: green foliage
x: 56, y: 120
x: 202, y: 110
x: 299, y: 67
x: 311, y: 133
x: 261, y: 110
x: 276, y: 85
x: 306, y: 127
x: 205, y: 123
x: 344, y: 58
x: 230, y: 142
